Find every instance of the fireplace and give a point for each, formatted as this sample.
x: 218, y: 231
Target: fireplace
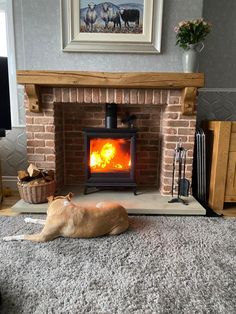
x: 110, y: 157
x: 60, y: 105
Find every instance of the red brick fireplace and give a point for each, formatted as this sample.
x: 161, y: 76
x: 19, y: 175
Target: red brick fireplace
x: 55, y: 137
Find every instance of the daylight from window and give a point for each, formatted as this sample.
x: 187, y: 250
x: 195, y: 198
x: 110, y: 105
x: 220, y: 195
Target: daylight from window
x: 3, y: 35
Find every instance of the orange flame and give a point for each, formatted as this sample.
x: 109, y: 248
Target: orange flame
x: 109, y: 155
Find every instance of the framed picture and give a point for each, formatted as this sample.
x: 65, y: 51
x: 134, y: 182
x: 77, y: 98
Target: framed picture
x: 118, y: 26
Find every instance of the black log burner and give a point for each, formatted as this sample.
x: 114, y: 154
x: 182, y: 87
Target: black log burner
x: 110, y: 154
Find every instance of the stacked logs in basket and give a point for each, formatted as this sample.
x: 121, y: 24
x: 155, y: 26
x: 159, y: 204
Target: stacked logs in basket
x: 36, y: 185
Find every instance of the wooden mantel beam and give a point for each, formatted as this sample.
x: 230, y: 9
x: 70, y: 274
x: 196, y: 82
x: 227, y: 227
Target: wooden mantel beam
x: 110, y: 79
x: 188, y: 82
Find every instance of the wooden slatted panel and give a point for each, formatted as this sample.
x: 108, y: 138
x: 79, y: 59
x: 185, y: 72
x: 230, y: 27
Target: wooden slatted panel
x: 222, y: 130
x: 232, y: 146
x: 233, y: 127
x: 231, y: 176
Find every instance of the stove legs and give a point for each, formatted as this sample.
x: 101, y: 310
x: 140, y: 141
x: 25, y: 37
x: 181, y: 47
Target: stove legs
x: 87, y: 192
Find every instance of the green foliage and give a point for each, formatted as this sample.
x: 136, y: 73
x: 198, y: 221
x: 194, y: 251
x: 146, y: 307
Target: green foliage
x: 191, y: 32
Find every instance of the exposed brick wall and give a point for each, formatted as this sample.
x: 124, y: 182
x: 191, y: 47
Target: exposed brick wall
x: 55, y: 138
x: 148, y: 145
x: 40, y: 130
x: 175, y: 126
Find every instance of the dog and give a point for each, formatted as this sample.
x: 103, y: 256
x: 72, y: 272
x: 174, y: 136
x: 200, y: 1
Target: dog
x: 67, y: 219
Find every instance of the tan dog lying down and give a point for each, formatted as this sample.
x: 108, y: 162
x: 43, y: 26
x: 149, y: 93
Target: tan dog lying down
x: 66, y: 219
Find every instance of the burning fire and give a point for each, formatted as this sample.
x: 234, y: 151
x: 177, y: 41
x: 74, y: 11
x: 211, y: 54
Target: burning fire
x: 109, y: 155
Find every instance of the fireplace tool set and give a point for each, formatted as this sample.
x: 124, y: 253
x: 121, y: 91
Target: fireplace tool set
x: 183, y: 184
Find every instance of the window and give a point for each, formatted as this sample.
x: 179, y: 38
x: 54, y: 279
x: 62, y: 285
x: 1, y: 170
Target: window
x: 7, y: 49
x: 3, y: 34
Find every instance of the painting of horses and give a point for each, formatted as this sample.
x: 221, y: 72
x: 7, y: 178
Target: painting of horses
x: 117, y: 17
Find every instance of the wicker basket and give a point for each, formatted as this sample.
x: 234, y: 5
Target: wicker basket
x: 36, y: 194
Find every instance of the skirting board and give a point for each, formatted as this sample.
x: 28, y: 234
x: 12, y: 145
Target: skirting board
x: 10, y: 182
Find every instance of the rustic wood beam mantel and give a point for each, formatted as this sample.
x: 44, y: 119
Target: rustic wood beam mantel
x: 188, y: 82
x: 34, y: 97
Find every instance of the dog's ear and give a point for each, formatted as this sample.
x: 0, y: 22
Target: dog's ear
x: 69, y: 196
x: 50, y: 198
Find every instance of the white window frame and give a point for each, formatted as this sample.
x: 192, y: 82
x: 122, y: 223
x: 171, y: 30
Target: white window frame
x: 6, y: 5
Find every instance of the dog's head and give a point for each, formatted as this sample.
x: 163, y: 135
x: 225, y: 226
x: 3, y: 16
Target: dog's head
x: 53, y: 198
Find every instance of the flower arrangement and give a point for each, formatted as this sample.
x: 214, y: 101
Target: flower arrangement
x: 191, y: 32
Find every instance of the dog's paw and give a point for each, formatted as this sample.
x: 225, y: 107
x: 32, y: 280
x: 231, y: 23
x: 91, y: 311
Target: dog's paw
x: 7, y: 238
x: 14, y: 238
x: 28, y: 219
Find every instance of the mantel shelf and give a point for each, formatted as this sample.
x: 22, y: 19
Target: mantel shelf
x: 188, y: 82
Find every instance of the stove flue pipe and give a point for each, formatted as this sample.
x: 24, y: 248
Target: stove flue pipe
x: 111, y: 116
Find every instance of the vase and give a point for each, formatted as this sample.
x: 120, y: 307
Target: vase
x: 190, y: 58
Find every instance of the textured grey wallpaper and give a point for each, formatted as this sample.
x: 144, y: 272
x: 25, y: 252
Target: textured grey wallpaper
x: 13, y: 152
x: 38, y: 40
x: 216, y: 105
x: 21, y: 105
x: 218, y: 59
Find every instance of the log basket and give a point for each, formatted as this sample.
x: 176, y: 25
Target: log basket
x: 36, y: 194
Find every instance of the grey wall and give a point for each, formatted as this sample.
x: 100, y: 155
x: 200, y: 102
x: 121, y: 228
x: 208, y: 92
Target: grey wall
x: 216, y: 105
x: 38, y: 46
x: 218, y: 59
x: 13, y: 152
x: 38, y: 40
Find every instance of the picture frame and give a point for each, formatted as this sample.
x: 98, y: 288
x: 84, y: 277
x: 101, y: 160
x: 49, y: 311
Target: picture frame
x: 77, y: 34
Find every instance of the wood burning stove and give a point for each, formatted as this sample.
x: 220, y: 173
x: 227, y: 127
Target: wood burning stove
x: 110, y: 156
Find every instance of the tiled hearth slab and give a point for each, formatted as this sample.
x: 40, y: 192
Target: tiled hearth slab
x: 146, y: 202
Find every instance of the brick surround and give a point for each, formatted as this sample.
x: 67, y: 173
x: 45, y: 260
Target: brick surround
x: 55, y: 139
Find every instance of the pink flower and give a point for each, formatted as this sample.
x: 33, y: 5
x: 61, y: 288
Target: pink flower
x: 176, y: 29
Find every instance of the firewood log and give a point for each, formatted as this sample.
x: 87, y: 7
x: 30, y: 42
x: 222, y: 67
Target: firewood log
x: 33, y: 170
x: 23, y: 175
x: 48, y: 175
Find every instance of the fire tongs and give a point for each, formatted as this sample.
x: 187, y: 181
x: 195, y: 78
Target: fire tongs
x: 183, y: 184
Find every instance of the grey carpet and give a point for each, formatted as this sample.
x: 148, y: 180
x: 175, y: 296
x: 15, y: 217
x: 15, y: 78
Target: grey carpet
x: 161, y: 265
